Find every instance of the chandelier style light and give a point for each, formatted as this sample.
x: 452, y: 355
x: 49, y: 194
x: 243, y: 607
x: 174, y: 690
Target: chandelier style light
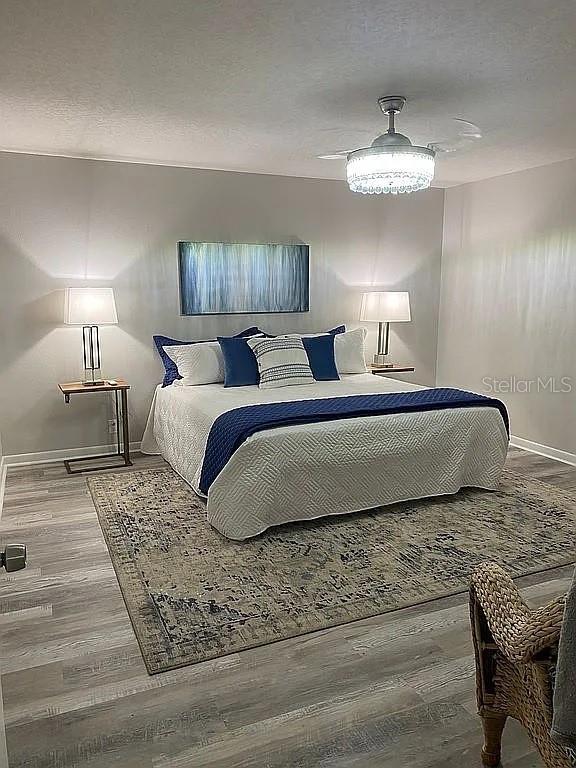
x: 391, y: 165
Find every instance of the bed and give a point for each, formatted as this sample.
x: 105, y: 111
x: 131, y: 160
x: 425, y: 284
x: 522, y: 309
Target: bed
x: 303, y: 471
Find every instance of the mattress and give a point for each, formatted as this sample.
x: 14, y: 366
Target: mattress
x: 306, y: 471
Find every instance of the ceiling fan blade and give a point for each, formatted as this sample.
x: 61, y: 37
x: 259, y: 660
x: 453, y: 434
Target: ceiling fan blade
x: 467, y: 133
x: 468, y: 129
x: 449, y: 145
x: 339, y: 155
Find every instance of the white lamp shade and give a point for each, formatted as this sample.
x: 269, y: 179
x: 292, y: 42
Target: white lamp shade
x: 385, y: 307
x: 90, y: 306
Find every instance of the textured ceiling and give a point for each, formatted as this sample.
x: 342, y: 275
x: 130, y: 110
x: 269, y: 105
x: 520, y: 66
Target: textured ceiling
x: 266, y: 85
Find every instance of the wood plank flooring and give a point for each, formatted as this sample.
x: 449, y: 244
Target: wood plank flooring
x: 390, y: 691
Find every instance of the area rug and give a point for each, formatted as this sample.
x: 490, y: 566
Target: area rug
x: 194, y: 595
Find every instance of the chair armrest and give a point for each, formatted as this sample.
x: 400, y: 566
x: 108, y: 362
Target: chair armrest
x: 519, y: 632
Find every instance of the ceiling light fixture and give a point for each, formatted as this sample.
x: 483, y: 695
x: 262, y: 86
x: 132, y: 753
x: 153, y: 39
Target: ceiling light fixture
x: 392, y: 164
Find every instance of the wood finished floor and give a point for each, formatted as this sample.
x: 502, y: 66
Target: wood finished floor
x: 390, y: 691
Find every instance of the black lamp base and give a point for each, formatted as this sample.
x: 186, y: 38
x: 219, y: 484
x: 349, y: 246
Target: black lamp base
x: 381, y: 358
x: 91, y: 350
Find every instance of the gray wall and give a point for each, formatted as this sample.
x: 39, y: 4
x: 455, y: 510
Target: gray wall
x: 78, y: 222
x: 508, y: 300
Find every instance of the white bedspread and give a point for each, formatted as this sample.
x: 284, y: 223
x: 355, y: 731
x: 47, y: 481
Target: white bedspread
x: 311, y: 470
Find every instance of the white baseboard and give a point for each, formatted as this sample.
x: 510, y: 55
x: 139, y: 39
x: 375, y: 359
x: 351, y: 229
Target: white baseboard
x: 3, y: 470
x: 49, y: 457
x: 543, y: 450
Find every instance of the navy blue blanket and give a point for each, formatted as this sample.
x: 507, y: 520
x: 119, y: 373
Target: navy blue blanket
x: 232, y: 428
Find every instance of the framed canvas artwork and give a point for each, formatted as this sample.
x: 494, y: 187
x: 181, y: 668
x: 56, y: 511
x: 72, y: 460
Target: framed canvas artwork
x: 243, y: 278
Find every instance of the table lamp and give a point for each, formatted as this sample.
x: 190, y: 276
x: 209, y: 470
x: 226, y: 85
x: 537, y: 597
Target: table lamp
x: 91, y: 307
x: 385, y: 307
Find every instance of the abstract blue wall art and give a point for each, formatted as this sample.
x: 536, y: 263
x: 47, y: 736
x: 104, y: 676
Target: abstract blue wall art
x: 243, y: 278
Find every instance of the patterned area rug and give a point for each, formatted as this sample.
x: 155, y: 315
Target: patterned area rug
x: 194, y: 595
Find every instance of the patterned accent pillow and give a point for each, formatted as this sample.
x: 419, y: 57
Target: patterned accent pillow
x: 282, y: 361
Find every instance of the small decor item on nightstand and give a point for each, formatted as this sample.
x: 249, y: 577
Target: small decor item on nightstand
x: 385, y: 307
x: 91, y: 307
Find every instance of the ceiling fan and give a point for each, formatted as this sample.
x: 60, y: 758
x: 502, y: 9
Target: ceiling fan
x: 392, y: 164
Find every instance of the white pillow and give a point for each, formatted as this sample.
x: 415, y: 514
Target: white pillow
x: 349, y: 351
x: 201, y: 363
x: 282, y: 361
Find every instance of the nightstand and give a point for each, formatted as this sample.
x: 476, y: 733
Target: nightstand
x: 120, y: 389
x: 378, y: 370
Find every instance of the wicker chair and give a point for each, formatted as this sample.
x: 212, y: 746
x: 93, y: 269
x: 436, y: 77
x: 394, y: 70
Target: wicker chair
x: 515, y: 649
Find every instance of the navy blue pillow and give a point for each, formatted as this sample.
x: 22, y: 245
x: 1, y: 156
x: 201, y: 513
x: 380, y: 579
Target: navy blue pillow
x: 320, y: 351
x: 170, y: 368
x: 240, y: 366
